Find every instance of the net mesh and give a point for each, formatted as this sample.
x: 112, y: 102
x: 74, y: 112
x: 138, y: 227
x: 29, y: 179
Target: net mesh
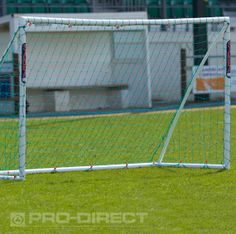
x: 99, y: 95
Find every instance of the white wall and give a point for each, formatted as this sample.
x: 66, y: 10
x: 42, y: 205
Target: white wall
x: 165, y: 61
x: 130, y: 66
x: 72, y: 60
x: 68, y: 59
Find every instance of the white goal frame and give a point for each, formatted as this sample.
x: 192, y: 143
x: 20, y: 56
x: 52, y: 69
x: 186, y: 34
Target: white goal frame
x: 27, y: 21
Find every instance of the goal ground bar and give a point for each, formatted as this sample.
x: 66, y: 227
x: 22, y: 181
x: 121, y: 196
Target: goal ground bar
x: 10, y: 177
x: 112, y: 167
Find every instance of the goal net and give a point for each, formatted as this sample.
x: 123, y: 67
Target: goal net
x: 82, y: 95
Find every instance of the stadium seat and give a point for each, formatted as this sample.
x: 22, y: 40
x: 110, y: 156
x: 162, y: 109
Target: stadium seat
x: 39, y: 6
x: 188, y: 10
x: 68, y: 6
x: 55, y: 6
x: 81, y: 6
x: 213, y: 8
x: 24, y: 6
x: 154, y: 9
x: 138, y: 5
x: 177, y: 8
x: 10, y: 9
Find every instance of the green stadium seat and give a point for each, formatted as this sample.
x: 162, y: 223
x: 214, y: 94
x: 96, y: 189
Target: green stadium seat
x: 81, y: 6
x: 154, y: 9
x: 10, y: 9
x: 169, y: 13
x: 127, y: 5
x: 39, y: 6
x: 177, y: 9
x: 68, y: 6
x: 214, y: 8
x: 188, y: 12
x: 134, y: 5
x: 55, y: 6
x: 24, y: 6
x: 83, y: 9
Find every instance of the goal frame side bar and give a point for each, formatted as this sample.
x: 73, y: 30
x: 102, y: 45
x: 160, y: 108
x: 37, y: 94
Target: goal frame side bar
x: 22, y: 102
x: 227, y: 90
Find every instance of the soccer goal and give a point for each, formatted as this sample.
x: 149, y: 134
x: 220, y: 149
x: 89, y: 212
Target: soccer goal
x: 86, y: 95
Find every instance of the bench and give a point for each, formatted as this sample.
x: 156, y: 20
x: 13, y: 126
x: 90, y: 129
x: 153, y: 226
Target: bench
x: 109, y: 87
x: 84, y: 97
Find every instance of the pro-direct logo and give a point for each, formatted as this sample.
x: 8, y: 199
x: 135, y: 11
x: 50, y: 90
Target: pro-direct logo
x: 22, y: 219
x: 23, y: 63
x: 17, y: 219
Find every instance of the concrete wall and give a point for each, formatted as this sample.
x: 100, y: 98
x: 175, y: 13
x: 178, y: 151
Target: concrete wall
x: 165, y: 64
x: 68, y: 59
x: 62, y: 60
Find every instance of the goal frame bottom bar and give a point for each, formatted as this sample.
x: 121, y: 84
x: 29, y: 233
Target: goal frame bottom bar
x: 14, y: 174
x: 11, y: 177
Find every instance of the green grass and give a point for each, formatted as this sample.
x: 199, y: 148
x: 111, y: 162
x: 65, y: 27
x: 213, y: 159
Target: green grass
x: 174, y: 200
x: 120, y: 139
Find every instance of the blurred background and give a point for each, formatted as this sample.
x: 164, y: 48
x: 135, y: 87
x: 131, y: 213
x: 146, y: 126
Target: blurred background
x: 155, y: 8
x: 190, y: 54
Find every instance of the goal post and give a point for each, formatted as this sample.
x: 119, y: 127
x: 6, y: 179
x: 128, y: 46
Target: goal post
x: 107, y: 94
x: 227, y: 91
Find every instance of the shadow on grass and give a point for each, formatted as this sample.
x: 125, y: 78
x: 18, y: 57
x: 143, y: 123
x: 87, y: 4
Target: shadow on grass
x: 114, y: 174
x: 49, y: 122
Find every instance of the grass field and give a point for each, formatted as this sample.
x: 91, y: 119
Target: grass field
x: 172, y: 200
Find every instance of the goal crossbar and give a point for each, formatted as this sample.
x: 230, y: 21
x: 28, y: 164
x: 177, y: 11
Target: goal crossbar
x: 115, y: 22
